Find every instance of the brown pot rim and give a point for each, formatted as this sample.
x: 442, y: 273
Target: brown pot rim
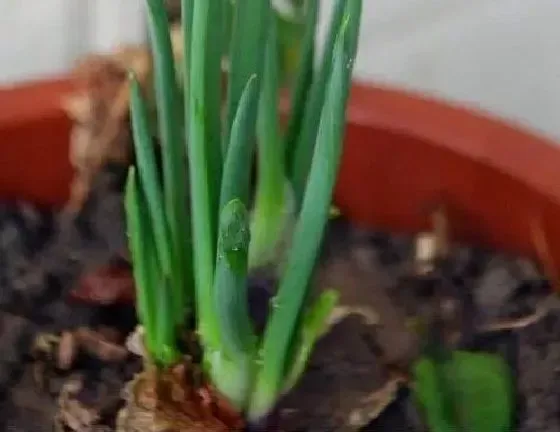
x: 385, y: 126
x: 470, y: 132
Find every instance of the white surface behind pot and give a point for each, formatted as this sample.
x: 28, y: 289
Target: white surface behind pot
x: 499, y: 54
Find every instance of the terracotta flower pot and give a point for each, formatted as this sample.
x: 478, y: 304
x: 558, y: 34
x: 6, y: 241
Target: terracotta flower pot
x: 34, y: 135
x: 403, y: 153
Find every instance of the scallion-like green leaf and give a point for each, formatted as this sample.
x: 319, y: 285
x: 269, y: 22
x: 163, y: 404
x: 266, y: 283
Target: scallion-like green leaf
x: 154, y: 298
x: 167, y: 352
x: 250, y: 23
x: 187, y: 7
x: 271, y: 212
x: 169, y: 113
x: 148, y: 175
x: 312, y: 328
x: 230, y: 292
x: 137, y: 233
x: 213, y: 104
x: 303, y: 81
x: 281, y: 328
x: 300, y: 159
x: 202, y: 210
x: 479, y: 386
x: 237, y: 169
x: 232, y: 378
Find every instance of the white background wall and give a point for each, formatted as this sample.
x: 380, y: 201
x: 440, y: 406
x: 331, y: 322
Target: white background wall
x: 500, y: 54
x: 41, y: 38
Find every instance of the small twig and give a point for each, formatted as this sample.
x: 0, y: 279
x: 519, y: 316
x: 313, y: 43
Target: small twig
x: 544, y: 256
x: 543, y: 308
x: 376, y: 402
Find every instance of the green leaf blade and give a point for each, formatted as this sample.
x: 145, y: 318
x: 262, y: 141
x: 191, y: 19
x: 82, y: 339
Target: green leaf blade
x: 300, y: 159
x: 202, y: 211
x: 148, y: 176
x: 213, y: 81
x: 138, y: 231
x: 169, y: 110
x: 237, y: 167
x: 250, y: 22
x: 271, y: 212
x: 481, y: 388
x: 237, y: 333
x: 303, y: 81
x: 309, y: 230
x: 313, y: 326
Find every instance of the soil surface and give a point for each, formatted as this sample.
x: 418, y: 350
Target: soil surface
x: 64, y: 360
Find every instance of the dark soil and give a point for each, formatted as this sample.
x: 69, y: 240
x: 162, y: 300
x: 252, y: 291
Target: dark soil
x: 352, y: 381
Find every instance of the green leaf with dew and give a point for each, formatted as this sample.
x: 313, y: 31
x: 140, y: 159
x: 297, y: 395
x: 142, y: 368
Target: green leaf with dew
x: 230, y: 282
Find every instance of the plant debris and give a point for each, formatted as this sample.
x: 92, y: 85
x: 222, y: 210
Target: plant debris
x: 167, y: 401
x: 63, y: 349
x: 99, y: 109
x: 106, y: 285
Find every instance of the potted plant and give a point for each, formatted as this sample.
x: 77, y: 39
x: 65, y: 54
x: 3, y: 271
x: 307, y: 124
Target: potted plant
x: 448, y: 155
x: 201, y: 269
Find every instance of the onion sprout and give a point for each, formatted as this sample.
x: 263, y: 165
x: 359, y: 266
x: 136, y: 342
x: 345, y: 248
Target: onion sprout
x: 199, y: 262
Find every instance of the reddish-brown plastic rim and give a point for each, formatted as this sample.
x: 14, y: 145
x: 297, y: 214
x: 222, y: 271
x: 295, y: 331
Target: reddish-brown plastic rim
x: 34, y: 134
x: 403, y: 153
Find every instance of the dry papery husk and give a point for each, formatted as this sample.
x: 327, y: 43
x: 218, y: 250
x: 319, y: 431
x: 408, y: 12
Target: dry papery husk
x: 99, y: 110
x: 169, y: 400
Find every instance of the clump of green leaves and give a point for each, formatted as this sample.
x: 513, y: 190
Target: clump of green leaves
x: 197, y: 262
x: 464, y: 391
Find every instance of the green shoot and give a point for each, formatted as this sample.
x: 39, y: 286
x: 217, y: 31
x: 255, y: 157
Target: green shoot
x: 207, y: 267
x: 148, y: 175
x: 168, y: 106
x: 231, y: 366
x: 202, y: 211
x: 304, y: 79
x: 154, y: 298
x: 237, y: 167
x: 212, y: 106
x: 479, y: 390
x: 272, y: 207
x: 312, y: 328
x: 238, y: 337
x: 137, y: 234
x: 302, y: 152
x: 250, y: 22
x: 281, y: 328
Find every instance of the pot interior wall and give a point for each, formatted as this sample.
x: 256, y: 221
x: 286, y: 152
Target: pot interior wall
x: 34, y: 137
x: 405, y: 154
